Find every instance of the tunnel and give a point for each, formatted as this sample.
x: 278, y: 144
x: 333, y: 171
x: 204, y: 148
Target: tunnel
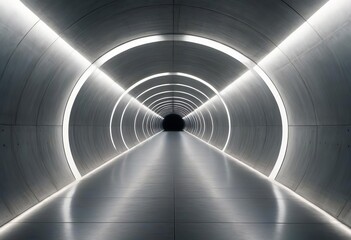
x: 173, y: 122
x: 173, y: 119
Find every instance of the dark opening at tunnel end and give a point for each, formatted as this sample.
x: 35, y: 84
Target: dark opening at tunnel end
x: 173, y: 122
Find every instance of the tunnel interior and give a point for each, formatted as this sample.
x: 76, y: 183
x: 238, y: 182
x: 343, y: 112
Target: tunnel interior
x: 266, y: 83
x: 173, y: 122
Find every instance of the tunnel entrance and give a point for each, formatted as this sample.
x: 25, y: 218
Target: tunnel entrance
x: 173, y: 122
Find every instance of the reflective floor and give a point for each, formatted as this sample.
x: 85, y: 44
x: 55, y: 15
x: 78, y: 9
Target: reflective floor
x: 175, y: 187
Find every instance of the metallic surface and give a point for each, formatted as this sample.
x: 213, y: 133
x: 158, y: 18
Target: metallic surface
x: 183, y: 190
x: 303, y: 48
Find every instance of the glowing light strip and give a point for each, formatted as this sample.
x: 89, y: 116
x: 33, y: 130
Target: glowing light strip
x: 145, y: 42
x: 142, y: 103
x: 284, y: 118
x: 168, y: 105
x: 172, y: 97
x: 327, y: 11
x: 172, y: 84
x: 221, y: 99
x: 34, y: 209
x: 28, y: 17
x: 185, y: 99
x: 331, y: 219
x: 186, y: 107
x: 163, y: 85
x: 196, y: 119
x: 122, y: 117
x: 167, y: 109
x: 204, y: 127
x: 170, y: 74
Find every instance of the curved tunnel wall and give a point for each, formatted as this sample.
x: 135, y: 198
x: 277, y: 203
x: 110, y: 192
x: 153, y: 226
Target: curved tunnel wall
x: 310, y: 69
x: 311, y: 72
x: 38, y: 72
x: 255, y: 123
x: 90, y: 138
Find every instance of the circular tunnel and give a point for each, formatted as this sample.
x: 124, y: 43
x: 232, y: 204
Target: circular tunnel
x: 267, y: 82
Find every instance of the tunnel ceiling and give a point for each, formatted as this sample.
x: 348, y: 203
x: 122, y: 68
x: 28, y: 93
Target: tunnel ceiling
x: 253, y: 27
x: 217, y: 68
x: 63, y: 115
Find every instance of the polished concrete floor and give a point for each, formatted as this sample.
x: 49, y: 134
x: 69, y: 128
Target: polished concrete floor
x: 174, y: 187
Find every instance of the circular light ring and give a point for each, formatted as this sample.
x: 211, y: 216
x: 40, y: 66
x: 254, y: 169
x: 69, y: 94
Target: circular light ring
x: 193, y: 119
x: 181, y: 92
x: 185, y: 38
x: 135, y: 132
x: 135, y: 118
x: 185, y: 99
x: 134, y: 127
x: 193, y: 122
x: 170, y: 103
x: 142, y: 123
x: 197, y: 120
x: 125, y: 108
x: 162, y: 85
x: 169, y: 74
x: 202, y: 104
x: 186, y: 106
x: 166, y: 110
x: 173, y: 84
x: 173, y: 74
x: 184, y: 103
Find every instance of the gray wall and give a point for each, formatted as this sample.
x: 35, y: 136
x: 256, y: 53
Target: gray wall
x: 37, y: 74
x: 312, y: 74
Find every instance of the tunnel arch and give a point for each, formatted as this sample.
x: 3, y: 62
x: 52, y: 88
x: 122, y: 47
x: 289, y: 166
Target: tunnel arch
x: 35, y: 99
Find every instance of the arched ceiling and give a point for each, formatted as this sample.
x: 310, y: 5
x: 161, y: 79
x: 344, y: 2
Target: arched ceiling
x: 135, y: 64
x: 252, y: 27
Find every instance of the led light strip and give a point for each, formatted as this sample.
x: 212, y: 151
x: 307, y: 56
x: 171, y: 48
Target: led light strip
x: 330, y: 218
x: 142, y: 103
x: 333, y: 4
x: 209, y: 112
x: 152, y: 77
x: 186, y: 100
x: 158, y: 86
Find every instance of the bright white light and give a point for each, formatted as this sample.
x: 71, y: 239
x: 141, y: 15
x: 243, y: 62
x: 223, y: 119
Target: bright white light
x: 332, y: 9
x: 125, y: 108
x: 170, y: 74
x: 163, y: 85
x: 172, y: 84
x: 33, y: 210
x: 157, y: 106
x: 182, y: 92
x: 199, y: 116
x: 167, y: 108
x: 217, y: 46
x: 21, y: 13
x: 66, y: 118
x: 326, y: 215
x: 190, y: 106
x: 15, y: 9
x: 129, y: 45
x: 330, y: 17
x: 284, y: 117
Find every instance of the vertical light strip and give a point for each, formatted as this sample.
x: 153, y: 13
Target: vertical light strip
x: 284, y: 119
